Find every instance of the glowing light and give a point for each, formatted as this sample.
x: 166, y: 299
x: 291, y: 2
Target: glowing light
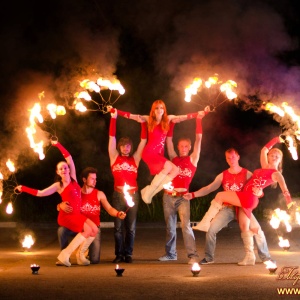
x: 283, y: 243
x: 127, y: 196
x: 196, y: 267
x: 28, y: 241
x: 279, y: 216
x: 9, y: 208
x: 10, y: 165
x: 192, y: 89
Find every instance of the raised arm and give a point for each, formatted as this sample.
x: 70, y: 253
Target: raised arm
x: 67, y: 157
x: 138, y: 153
x: 169, y: 142
x: 180, y: 118
x: 129, y: 115
x: 265, y: 150
x: 195, y: 155
x: 206, y: 189
x: 112, y: 143
x: 39, y: 193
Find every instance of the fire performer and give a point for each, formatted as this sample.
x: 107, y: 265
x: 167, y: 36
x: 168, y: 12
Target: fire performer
x: 68, y: 188
x: 124, y: 167
x: 173, y: 200
x: 232, y: 179
x: 91, y: 202
x: 247, y: 199
x: 153, y: 155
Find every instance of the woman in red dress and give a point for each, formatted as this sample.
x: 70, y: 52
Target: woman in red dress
x: 153, y: 154
x: 247, y: 199
x: 69, y: 190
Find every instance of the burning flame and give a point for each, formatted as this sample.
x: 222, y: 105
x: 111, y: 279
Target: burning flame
x: 270, y: 264
x: 283, y: 243
x: 279, y: 216
x: 196, y: 267
x: 9, y: 208
x: 1, y: 187
x: 127, y: 196
x: 287, y: 111
x: 31, y: 130
x: 28, y: 241
x: 10, y: 165
x: 55, y: 110
x: 226, y: 87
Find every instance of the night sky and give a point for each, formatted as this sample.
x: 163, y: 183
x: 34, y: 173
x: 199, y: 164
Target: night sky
x: 155, y: 48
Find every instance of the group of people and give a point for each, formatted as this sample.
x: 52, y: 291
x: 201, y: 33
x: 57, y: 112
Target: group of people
x: 79, y: 211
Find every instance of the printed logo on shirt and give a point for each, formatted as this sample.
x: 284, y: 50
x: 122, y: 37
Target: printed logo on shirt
x: 124, y: 167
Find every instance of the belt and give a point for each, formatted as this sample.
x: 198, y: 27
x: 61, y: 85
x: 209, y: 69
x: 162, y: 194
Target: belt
x: 175, y: 194
x: 131, y: 192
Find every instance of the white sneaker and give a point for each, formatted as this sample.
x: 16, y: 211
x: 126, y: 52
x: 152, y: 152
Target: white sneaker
x: 167, y: 258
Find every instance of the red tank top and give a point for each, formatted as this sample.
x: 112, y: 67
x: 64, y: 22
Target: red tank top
x: 90, y: 206
x: 186, y: 172
x: 234, y: 182
x: 124, y: 170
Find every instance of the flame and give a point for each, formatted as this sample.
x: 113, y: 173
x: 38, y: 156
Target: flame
x: 292, y: 130
x: 114, y: 85
x: 9, y: 208
x: 279, y: 216
x: 55, y: 110
x: 192, y: 89
x: 10, y: 165
x: 83, y: 95
x: 196, y: 267
x: 226, y: 87
x: 35, y: 114
x: 79, y: 106
x: 168, y: 186
x: 127, y: 196
x: 283, y: 242
x: 28, y: 241
x: 270, y: 264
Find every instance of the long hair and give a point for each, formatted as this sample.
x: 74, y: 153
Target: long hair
x: 125, y: 141
x: 152, y: 117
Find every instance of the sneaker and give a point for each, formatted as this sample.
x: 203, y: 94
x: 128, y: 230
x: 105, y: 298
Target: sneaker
x: 118, y: 259
x: 205, y: 262
x: 193, y: 260
x: 167, y: 258
x: 128, y: 259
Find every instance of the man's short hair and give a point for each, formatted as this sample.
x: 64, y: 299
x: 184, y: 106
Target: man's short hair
x: 86, y: 171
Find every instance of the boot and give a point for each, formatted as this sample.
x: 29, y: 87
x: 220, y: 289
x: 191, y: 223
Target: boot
x: 65, y: 254
x: 262, y: 246
x: 80, y: 254
x: 148, y: 192
x: 249, y: 259
x: 204, y: 224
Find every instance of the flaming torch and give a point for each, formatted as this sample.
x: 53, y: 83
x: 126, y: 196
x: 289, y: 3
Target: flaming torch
x: 127, y: 196
x: 9, y: 208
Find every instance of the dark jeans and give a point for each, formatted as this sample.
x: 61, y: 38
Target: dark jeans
x: 124, y: 230
x: 64, y: 235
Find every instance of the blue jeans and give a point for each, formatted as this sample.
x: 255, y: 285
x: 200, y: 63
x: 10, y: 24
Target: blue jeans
x: 64, y: 234
x: 171, y: 206
x: 124, y: 230
x: 224, y: 216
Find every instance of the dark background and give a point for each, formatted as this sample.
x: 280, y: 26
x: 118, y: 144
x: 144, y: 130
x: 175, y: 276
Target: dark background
x: 155, y: 48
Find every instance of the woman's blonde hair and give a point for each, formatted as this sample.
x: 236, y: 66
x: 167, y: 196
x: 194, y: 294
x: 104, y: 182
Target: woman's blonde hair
x: 279, y: 168
x: 152, y: 117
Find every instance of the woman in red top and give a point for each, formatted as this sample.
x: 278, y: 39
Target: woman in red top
x: 69, y: 190
x: 247, y: 199
x: 153, y: 154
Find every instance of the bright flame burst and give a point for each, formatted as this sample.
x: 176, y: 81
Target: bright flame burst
x: 28, y: 241
x: 9, y: 208
x: 227, y: 88
x: 127, y: 196
x: 290, y: 121
x: 96, y: 87
x: 196, y: 267
x: 35, y: 118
